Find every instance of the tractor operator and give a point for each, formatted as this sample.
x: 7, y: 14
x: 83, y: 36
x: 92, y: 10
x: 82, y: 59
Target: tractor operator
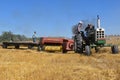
x: 78, y: 38
x: 80, y: 26
x: 90, y: 33
x: 34, y: 37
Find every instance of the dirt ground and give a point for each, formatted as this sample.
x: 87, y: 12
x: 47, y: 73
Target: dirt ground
x: 25, y: 64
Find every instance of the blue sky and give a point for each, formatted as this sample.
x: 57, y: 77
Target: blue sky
x: 56, y: 17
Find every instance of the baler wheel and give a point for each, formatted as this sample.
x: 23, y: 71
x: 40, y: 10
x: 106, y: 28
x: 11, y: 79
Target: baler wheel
x: 39, y: 48
x: 64, y: 51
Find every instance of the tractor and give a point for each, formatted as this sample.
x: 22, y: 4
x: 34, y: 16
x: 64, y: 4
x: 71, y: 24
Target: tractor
x: 91, y: 38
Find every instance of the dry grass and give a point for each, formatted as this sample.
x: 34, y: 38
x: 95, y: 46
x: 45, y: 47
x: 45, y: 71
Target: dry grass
x: 113, y: 40
x: 34, y: 65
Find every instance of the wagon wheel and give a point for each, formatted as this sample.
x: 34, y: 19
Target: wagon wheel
x: 17, y: 46
x: 4, y: 46
x: 30, y: 46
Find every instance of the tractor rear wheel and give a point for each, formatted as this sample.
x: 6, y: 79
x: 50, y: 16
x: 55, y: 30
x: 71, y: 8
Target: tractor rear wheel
x: 75, y: 47
x: 87, y: 50
x: 78, y: 44
x: 78, y: 48
x: 114, y: 49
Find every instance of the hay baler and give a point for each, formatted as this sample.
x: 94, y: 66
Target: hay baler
x: 52, y: 44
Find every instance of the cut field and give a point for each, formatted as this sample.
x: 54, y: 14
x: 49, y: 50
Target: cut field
x: 28, y: 64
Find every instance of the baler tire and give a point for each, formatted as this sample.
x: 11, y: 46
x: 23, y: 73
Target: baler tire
x: 64, y: 51
x: 114, y: 49
x: 39, y: 48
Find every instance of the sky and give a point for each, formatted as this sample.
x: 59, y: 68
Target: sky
x: 57, y: 17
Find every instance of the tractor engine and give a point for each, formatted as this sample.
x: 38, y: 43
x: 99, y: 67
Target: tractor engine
x: 99, y: 34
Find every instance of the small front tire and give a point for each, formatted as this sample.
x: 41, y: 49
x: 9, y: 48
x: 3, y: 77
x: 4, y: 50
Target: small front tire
x: 87, y: 50
x: 114, y: 49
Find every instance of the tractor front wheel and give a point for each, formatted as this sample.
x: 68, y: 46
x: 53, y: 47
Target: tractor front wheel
x: 87, y: 50
x: 96, y: 49
x: 114, y: 49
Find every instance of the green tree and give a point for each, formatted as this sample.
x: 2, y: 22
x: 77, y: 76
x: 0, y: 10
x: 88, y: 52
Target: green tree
x: 6, y: 36
x: 9, y: 36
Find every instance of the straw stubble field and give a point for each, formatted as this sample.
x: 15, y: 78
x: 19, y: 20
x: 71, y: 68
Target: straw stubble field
x: 33, y: 65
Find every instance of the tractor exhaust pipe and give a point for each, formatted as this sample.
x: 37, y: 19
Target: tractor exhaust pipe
x: 98, y: 21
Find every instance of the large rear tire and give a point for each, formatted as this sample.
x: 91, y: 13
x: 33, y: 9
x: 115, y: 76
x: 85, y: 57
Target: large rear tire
x: 78, y: 44
x: 75, y: 47
x: 87, y: 50
x: 114, y: 49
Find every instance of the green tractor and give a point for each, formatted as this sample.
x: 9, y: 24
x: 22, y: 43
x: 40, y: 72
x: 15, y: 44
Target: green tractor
x: 92, y: 38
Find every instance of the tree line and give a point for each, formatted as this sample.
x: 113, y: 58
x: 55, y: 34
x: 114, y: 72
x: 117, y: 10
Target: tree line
x: 9, y: 36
